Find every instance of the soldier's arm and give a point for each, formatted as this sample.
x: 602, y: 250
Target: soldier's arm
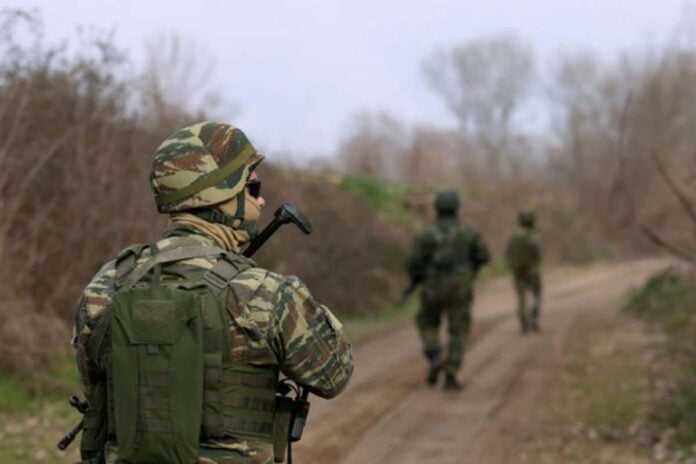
x: 89, y: 329
x: 91, y: 307
x: 509, y: 251
x: 420, y: 257
x: 480, y: 252
x: 311, y: 345
x: 85, y: 366
x: 537, y: 248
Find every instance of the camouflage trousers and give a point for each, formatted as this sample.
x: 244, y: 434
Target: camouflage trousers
x: 231, y: 456
x: 453, y: 301
x: 529, y: 282
x: 236, y: 452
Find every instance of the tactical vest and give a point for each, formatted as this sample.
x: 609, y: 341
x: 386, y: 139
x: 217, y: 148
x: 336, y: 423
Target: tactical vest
x: 450, y: 252
x: 170, y: 381
x: 523, y: 252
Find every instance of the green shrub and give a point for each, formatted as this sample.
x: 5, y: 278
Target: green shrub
x: 668, y: 302
x: 668, y: 299
x: 385, y: 197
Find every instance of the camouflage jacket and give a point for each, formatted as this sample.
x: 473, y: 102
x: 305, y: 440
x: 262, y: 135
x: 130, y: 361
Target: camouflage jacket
x: 297, y: 334
x: 523, y: 251
x: 434, y: 255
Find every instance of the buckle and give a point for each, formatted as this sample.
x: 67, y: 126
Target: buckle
x: 216, y: 281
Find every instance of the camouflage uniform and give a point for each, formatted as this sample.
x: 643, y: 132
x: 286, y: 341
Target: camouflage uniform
x: 445, y: 260
x: 523, y: 253
x: 279, y: 325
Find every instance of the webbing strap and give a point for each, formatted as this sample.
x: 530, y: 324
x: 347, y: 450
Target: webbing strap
x: 241, y: 425
x: 126, y: 261
x: 153, y: 380
x: 212, y: 378
x: 154, y: 403
x: 223, y: 272
x: 176, y: 254
x: 245, y: 380
x: 256, y: 404
x: 154, y: 425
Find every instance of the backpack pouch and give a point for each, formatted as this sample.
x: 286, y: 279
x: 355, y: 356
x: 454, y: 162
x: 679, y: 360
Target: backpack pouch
x: 157, y: 374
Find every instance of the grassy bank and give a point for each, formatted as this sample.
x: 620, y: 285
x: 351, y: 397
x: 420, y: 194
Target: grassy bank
x: 34, y: 412
x: 667, y: 303
x: 599, y: 397
x: 625, y: 387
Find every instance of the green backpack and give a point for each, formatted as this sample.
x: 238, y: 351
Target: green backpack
x: 522, y: 251
x: 450, y: 251
x: 169, y: 378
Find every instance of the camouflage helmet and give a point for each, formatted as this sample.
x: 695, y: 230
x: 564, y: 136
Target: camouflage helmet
x: 447, y: 201
x: 526, y: 218
x: 201, y: 165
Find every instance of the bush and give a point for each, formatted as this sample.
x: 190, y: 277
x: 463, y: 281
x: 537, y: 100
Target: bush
x: 668, y: 302
x: 384, y: 196
x: 667, y: 299
x: 74, y: 161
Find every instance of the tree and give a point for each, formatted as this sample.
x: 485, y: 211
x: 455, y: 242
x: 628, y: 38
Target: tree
x: 176, y: 83
x: 483, y: 83
x: 373, y: 145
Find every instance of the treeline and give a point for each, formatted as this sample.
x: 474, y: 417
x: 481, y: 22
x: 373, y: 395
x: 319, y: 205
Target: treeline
x: 78, y: 126
x: 79, y: 122
x: 72, y: 162
x: 612, y: 170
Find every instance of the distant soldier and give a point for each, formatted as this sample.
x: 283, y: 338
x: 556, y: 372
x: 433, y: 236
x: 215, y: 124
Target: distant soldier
x: 445, y: 261
x: 524, y: 259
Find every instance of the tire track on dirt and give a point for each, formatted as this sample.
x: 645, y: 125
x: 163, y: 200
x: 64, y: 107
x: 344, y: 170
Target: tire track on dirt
x: 389, y: 416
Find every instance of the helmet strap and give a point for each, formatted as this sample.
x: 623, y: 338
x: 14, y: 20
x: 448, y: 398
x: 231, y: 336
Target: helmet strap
x: 215, y: 215
x: 448, y: 213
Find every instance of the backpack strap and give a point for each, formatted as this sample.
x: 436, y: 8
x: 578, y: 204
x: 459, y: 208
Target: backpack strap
x: 125, y: 263
x: 167, y: 256
x: 157, y: 272
x: 225, y: 270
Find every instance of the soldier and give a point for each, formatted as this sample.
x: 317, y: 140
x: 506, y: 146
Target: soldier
x: 523, y: 255
x: 445, y: 260
x: 180, y: 342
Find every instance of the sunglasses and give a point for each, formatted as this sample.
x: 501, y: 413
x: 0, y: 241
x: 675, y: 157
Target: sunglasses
x: 254, y: 187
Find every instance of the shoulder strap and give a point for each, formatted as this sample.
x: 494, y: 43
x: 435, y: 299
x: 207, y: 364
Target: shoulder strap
x: 436, y: 234
x: 225, y: 270
x: 125, y: 262
x: 176, y: 254
x: 444, y: 234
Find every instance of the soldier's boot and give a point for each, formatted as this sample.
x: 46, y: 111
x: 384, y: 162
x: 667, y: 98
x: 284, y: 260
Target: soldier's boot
x: 522, y: 315
x: 524, y: 325
x: 435, y: 366
x: 535, y: 325
x: 451, y: 382
x: 535, y: 315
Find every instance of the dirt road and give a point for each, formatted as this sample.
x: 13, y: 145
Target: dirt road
x: 388, y: 415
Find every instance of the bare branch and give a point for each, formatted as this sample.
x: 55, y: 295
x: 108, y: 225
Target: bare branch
x: 675, y: 250
x: 685, y: 201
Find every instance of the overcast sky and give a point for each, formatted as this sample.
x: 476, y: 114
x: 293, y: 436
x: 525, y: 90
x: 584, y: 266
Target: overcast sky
x: 299, y: 69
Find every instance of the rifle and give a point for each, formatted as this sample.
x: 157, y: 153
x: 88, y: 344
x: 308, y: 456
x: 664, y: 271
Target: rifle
x: 409, y: 290
x: 299, y: 405
x: 285, y: 214
x: 83, y: 407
